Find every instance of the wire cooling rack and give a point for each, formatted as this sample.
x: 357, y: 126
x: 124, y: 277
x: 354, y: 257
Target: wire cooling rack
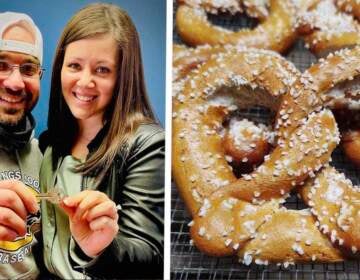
x: 187, y: 262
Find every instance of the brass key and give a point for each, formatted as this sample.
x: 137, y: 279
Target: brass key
x: 53, y: 195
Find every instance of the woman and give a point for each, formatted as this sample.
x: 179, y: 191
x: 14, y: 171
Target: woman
x: 104, y: 150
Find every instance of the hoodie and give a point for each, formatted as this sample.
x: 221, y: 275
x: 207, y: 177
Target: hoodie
x: 20, y: 159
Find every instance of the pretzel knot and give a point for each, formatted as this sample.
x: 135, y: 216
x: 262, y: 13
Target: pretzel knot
x: 245, y: 216
x: 276, y: 30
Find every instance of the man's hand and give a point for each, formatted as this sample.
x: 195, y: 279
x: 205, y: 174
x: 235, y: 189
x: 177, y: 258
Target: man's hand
x: 16, y: 201
x: 93, y: 220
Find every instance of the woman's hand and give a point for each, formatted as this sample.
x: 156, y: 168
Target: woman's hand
x: 93, y: 220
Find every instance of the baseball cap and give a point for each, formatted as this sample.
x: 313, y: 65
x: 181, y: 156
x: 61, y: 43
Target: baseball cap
x: 8, y: 19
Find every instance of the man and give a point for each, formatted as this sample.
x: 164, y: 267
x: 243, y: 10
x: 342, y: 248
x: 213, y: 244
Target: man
x: 20, y: 157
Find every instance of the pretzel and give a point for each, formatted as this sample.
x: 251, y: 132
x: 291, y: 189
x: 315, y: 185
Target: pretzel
x: 276, y: 32
x: 327, y: 29
x: 243, y: 216
x: 191, y: 122
x: 349, y: 6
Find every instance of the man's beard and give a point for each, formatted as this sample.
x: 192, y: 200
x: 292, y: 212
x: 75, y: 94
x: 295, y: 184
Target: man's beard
x: 11, y: 117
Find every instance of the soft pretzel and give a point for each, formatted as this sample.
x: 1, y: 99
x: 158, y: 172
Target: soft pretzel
x: 196, y: 146
x: 276, y: 32
x: 243, y: 216
x: 327, y: 29
x: 350, y: 6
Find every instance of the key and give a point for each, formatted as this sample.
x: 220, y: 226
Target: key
x: 53, y: 195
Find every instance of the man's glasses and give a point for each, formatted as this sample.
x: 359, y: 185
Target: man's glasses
x: 27, y: 69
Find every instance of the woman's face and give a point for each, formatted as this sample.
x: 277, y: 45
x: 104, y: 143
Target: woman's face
x: 88, y: 76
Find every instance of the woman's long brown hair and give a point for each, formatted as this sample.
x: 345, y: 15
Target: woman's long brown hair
x: 130, y: 105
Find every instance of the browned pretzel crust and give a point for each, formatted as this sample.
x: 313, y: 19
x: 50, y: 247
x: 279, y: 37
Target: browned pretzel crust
x: 313, y: 90
x: 276, y: 32
x: 189, y: 58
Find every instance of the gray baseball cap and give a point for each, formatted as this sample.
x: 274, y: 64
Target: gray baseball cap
x: 8, y: 19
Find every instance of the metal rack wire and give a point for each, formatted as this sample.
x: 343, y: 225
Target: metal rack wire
x: 189, y: 263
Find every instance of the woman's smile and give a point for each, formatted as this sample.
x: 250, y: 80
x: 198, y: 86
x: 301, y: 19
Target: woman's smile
x: 84, y: 97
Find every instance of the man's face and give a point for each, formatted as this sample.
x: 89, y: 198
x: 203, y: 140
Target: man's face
x: 18, y: 93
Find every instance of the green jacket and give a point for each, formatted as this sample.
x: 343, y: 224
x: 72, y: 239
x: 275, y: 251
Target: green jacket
x: 136, y: 182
